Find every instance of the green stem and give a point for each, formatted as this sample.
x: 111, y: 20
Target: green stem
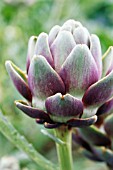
x: 19, y: 141
x: 64, y: 151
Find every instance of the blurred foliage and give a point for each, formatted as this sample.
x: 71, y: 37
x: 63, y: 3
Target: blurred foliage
x: 18, y: 21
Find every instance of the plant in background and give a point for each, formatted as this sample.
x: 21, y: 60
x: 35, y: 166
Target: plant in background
x: 97, y: 142
x: 66, y: 82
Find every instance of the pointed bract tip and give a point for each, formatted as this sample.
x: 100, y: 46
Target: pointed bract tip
x: 8, y: 64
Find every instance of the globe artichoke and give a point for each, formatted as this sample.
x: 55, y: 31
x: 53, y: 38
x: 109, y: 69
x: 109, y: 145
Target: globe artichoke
x: 67, y: 80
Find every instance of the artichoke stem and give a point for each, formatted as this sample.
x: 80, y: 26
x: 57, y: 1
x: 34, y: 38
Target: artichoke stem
x: 64, y: 151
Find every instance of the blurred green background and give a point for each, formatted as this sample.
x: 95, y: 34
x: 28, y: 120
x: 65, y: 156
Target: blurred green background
x: 19, y: 19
